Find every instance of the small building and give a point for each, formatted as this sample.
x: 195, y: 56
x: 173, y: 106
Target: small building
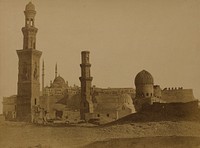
x: 9, y: 107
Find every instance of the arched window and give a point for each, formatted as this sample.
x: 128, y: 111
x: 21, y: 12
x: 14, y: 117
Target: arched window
x: 147, y: 94
x: 35, y: 101
x: 31, y: 22
x: 34, y: 45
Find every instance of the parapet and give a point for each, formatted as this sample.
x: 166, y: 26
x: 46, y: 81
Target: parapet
x: 177, y: 94
x: 173, y: 88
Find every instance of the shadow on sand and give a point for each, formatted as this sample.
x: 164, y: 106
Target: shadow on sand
x: 148, y: 142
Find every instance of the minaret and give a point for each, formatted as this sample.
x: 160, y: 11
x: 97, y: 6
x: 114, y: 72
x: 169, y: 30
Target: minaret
x: 56, y: 72
x: 29, y: 31
x: 28, y: 90
x: 43, y: 77
x: 86, y: 105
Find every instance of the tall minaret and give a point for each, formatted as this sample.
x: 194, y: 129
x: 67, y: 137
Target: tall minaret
x: 28, y: 90
x: 56, y: 72
x: 86, y: 105
x: 43, y: 77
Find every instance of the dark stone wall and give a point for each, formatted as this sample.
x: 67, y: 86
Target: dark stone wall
x: 187, y: 110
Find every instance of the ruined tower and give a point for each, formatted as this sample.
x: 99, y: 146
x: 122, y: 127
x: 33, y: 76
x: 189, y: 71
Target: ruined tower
x: 28, y: 90
x: 86, y: 105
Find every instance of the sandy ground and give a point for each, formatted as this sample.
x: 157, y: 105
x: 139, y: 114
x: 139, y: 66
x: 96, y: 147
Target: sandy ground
x: 23, y: 135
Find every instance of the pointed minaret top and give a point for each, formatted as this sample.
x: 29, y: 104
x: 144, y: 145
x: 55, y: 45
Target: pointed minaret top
x: 56, y: 72
x: 30, y: 7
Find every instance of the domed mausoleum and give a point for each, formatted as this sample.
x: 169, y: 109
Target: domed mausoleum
x: 144, y: 84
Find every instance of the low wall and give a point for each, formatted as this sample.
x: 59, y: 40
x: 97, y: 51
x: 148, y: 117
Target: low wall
x: 177, y: 95
x: 173, y: 108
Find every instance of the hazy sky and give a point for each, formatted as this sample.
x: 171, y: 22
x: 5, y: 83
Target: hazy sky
x: 123, y: 36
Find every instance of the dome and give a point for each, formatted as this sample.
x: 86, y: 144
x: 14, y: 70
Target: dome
x: 30, y: 6
x: 59, y: 81
x: 127, y: 98
x: 143, y: 77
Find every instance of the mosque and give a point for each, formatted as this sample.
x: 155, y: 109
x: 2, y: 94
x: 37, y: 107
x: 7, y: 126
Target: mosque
x: 59, y: 101
x: 147, y: 93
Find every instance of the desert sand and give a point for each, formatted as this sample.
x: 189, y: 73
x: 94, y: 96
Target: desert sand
x: 147, y: 134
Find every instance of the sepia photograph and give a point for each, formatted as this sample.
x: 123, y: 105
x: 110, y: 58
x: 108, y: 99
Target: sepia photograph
x: 100, y: 74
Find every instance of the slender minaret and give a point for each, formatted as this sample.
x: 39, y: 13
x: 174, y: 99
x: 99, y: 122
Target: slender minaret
x: 86, y: 105
x: 43, y: 77
x: 28, y: 86
x: 56, y: 72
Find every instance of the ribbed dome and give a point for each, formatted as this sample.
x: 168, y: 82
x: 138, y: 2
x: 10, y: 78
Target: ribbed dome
x: 143, y: 77
x: 30, y: 6
x: 59, y: 81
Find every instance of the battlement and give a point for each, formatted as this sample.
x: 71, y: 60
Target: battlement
x: 177, y: 95
x: 173, y: 88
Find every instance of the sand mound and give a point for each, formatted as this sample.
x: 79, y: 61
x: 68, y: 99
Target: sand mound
x: 149, y: 142
x: 153, y: 116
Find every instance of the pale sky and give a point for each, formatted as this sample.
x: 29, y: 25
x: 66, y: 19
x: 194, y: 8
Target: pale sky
x: 123, y: 37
